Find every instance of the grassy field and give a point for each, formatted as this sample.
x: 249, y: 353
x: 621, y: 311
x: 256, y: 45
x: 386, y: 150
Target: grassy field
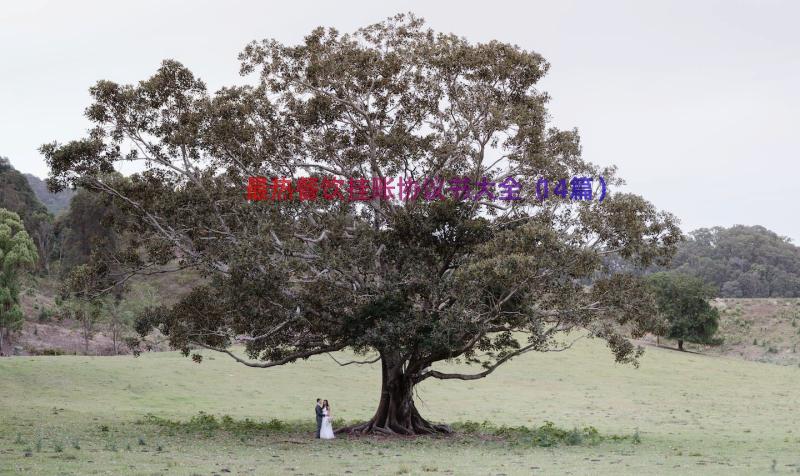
x: 694, y: 414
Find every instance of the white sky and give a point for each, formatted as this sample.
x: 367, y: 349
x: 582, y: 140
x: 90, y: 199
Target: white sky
x: 697, y: 102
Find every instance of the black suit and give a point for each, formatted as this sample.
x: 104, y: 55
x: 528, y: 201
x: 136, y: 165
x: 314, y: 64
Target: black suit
x: 318, y: 409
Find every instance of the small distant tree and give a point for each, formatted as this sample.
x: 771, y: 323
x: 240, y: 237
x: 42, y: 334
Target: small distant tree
x: 122, y: 313
x: 683, y: 301
x: 79, y: 304
x: 17, y: 253
x: 119, y: 318
x: 43, y: 234
x: 87, y: 314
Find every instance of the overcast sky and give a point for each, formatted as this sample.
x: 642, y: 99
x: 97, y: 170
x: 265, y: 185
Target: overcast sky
x: 697, y: 102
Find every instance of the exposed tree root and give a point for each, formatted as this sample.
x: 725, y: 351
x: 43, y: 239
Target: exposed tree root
x: 417, y: 426
x: 370, y: 428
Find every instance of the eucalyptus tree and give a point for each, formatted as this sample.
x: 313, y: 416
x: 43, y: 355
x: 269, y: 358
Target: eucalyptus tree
x: 17, y: 254
x: 406, y: 282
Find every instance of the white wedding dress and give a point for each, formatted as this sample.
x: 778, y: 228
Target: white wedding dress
x: 326, y: 432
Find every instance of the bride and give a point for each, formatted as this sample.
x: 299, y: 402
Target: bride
x: 326, y: 433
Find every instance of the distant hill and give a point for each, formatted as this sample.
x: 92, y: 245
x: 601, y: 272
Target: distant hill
x: 16, y: 195
x: 741, y: 261
x: 55, y: 202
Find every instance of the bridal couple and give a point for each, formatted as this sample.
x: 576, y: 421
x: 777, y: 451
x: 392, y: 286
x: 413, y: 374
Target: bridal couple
x: 324, y: 427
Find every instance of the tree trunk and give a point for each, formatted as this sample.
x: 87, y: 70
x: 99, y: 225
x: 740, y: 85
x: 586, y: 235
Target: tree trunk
x: 86, y: 338
x: 114, y: 336
x: 396, y: 413
x: 680, y: 344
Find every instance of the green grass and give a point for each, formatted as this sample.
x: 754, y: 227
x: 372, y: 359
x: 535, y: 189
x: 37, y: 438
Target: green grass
x: 678, y: 413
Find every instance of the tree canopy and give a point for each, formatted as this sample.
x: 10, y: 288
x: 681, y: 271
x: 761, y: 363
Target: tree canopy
x: 86, y: 227
x: 410, y: 282
x: 17, y: 253
x: 741, y: 261
x: 683, y: 301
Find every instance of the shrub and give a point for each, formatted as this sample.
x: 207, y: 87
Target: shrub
x: 471, y: 427
x: 546, y: 435
x: 574, y: 437
x: 44, y: 315
x: 276, y: 425
x: 208, y: 425
x: 205, y: 423
x: 55, y: 351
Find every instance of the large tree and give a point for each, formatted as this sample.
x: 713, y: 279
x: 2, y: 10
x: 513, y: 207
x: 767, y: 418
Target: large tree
x: 17, y: 253
x: 407, y: 283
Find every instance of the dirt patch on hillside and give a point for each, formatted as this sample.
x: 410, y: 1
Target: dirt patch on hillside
x: 41, y: 338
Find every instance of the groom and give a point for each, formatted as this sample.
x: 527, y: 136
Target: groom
x: 318, y: 410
